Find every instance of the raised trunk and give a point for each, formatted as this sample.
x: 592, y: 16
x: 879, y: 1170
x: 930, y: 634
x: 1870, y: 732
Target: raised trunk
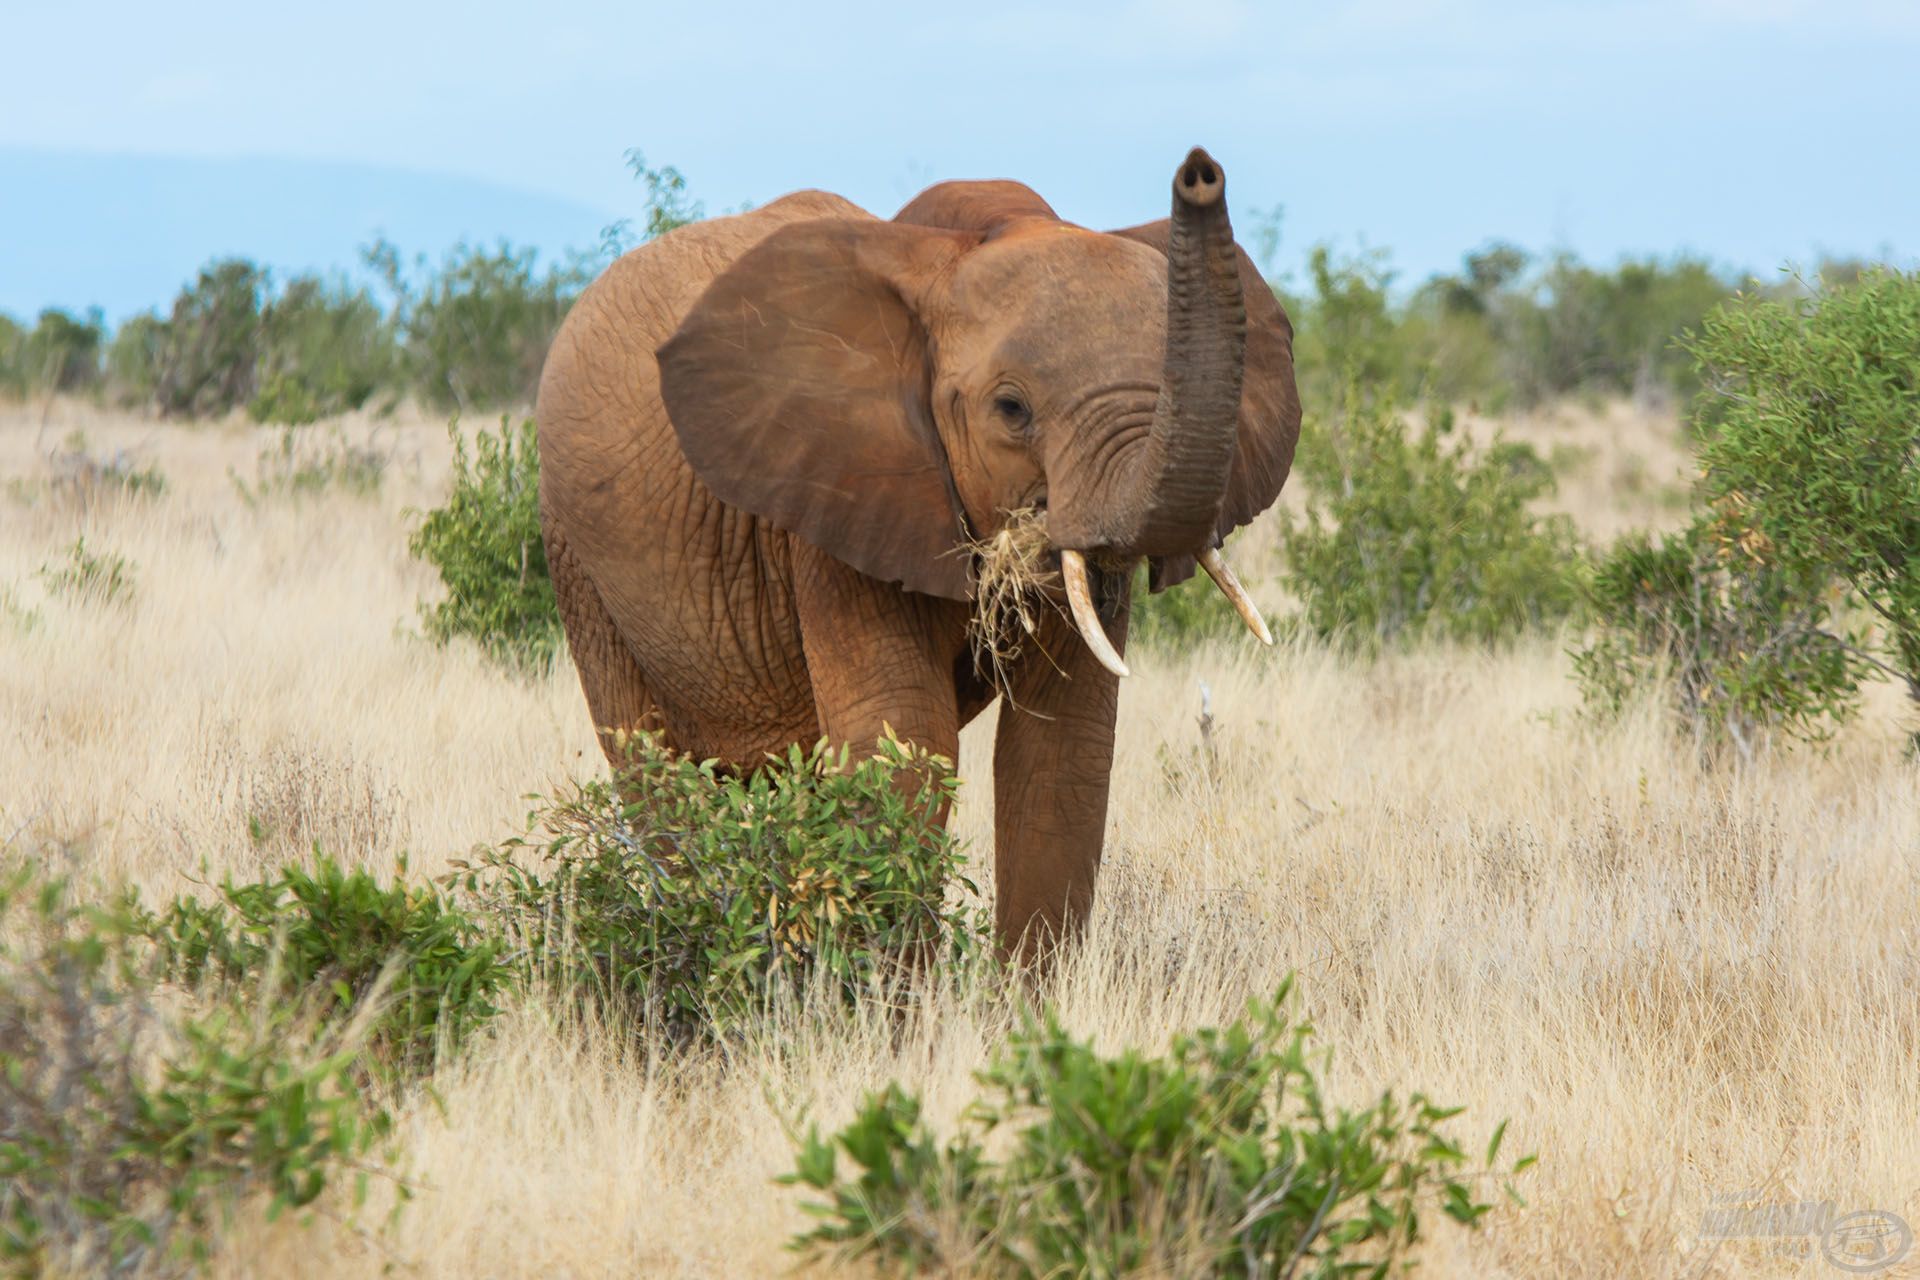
x: 1170, y: 503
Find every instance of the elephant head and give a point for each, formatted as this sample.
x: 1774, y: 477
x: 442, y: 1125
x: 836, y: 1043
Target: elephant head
x: 889, y: 390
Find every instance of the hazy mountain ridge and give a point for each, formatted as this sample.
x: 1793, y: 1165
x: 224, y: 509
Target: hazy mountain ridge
x: 123, y: 232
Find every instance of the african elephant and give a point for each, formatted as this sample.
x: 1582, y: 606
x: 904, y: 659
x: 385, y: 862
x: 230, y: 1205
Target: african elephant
x: 767, y: 441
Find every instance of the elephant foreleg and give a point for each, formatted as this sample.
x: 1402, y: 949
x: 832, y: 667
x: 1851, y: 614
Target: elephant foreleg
x: 878, y: 657
x: 1053, y: 757
x: 616, y: 694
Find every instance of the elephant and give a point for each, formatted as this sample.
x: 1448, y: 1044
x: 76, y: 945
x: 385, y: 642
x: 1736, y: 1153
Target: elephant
x: 768, y: 440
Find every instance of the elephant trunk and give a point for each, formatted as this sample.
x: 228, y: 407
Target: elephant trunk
x: 1171, y: 505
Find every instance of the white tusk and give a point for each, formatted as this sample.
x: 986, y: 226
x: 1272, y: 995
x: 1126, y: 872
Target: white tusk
x: 1073, y: 567
x: 1230, y: 587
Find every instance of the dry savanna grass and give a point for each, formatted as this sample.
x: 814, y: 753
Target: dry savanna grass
x: 1680, y: 981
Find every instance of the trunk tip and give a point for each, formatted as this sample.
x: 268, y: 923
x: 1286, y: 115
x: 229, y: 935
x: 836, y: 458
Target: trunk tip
x: 1201, y: 181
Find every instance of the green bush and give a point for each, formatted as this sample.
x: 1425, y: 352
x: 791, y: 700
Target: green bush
x: 60, y: 353
x: 475, y: 330
x: 668, y: 207
x: 1811, y: 426
x: 134, y: 359
x: 1745, y: 643
x: 105, y: 577
x: 689, y: 897
x: 209, y: 352
x: 12, y: 378
x: 325, y: 350
x: 1498, y: 331
x: 1579, y: 329
x: 130, y: 1127
x: 1219, y: 1158
x: 337, y: 942
x: 1407, y: 535
x: 486, y: 544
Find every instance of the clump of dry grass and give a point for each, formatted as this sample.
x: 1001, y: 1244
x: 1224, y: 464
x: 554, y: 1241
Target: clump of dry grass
x: 1011, y: 575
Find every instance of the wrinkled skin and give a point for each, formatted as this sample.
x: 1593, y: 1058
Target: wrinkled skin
x: 764, y: 437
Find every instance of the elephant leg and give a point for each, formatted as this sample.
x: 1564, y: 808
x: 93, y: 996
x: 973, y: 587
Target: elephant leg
x: 616, y: 692
x: 1053, y: 758
x: 878, y: 657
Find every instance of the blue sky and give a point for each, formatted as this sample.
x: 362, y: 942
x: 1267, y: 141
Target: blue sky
x: 1753, y: 131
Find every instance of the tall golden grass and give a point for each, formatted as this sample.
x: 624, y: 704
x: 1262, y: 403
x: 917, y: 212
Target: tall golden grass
x: 1681, y: 981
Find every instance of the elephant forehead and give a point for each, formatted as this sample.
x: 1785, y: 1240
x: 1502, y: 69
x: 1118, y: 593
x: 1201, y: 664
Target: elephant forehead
x: 1062, y: 292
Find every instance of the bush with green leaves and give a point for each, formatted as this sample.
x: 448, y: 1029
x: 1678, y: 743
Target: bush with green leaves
x: 668, y: 207
x: 1746, y: 644
x: 326, y: 349
x: 62, y: 353
x: 475, y: 329
x: 209, y: 350
x: 1811, y: 431
x: 689, y: 897
x: 130, y: 1126
x: 1802, y: 576
x: 134, y: 359
x: 99, y: 576
x: 12, y: 378
x: 1410, y: 533
x: 1499, y: 330
x: 1220, y: 1157
x: 486, y: 544
x: 340, y: 943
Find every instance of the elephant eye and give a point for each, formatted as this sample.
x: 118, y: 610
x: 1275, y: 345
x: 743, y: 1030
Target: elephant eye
x: 1012, y: 409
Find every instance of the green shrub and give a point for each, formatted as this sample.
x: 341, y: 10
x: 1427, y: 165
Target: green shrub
x: 475, y: 330
x: 209, y: 354
x: 486, y: 544
x: 325, y: 350
x: 1745, y: 643
x: 668, y: 207
x: 134, y: 360
x: 1811, y: 426
x: 1498, y: 331
x: 12, y: 378
x: 1219, y: 1158
x: 1579, y: 329
x: 336, y: 941
x: 1810, y: 429
x: 1405, y: 535
x: 690, y: 897
x: 60, y: 353
x: 129, y: 1127
x: 105, y: 576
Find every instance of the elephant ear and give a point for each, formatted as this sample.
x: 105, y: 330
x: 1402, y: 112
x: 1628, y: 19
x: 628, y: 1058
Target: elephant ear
x: 798, y: 385
x: 1269, y: 408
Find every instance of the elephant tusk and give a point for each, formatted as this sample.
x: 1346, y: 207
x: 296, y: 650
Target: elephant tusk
x: 1073, y: 567
x: 1230, y: 587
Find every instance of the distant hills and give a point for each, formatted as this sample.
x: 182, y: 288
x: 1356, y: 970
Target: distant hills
x: 124, y: 232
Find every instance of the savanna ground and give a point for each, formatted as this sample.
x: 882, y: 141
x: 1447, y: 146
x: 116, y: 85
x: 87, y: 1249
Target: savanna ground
x: 1680, y: 981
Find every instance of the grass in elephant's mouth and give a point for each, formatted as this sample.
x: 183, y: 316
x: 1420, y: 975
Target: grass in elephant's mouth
x: 1012, y: 571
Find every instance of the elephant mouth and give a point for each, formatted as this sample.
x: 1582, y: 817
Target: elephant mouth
x: 1018, y: 567
x: 1078, y: 577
